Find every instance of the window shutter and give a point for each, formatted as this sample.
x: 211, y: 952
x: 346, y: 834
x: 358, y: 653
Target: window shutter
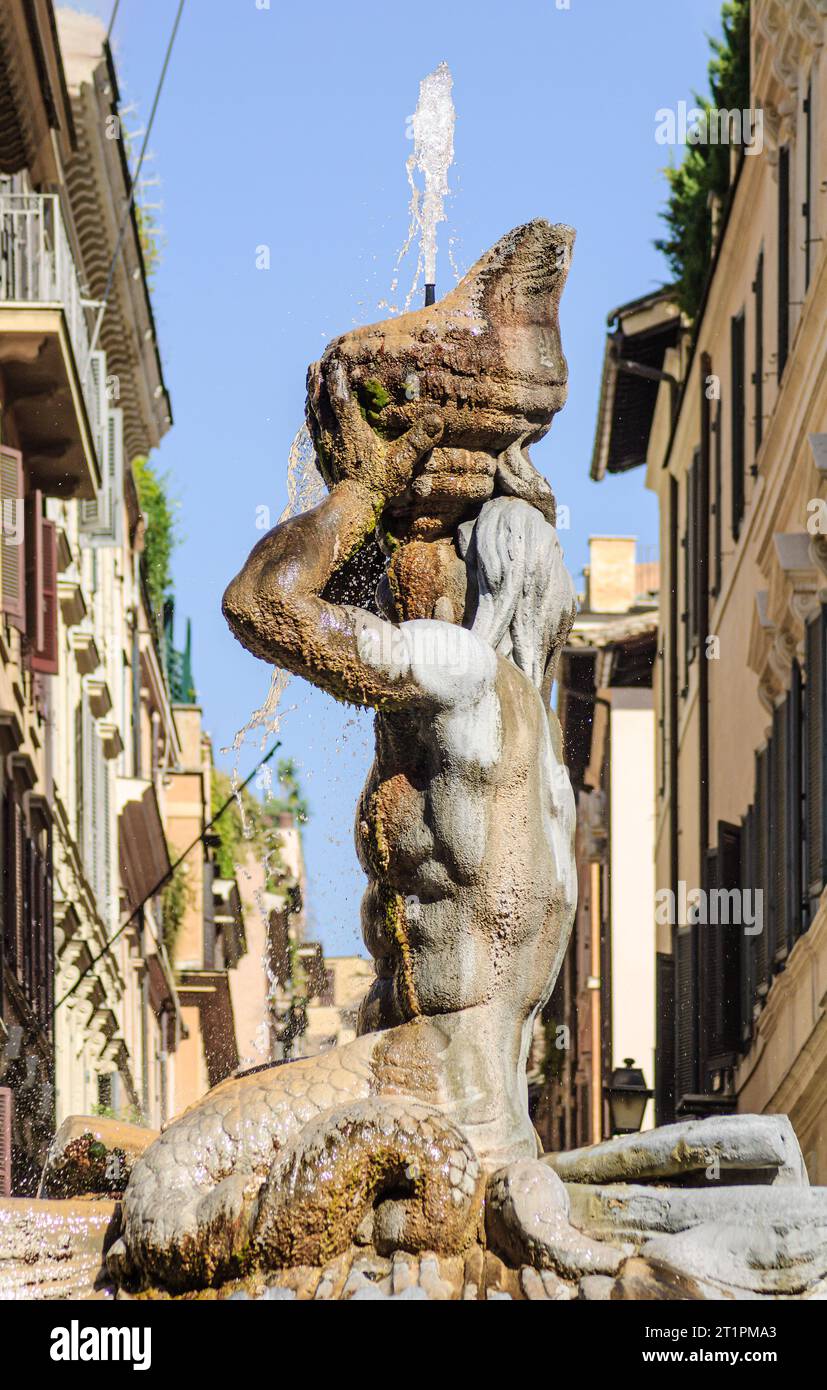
x: 665, y: 1039
x: 90, y: 793
x: 97, y: 395
x: 806, y: 210
x: 45, y: 657
x: 758, y: 348
x: 16, y: 882
x: 100, y: 518
x: 728, y: 934
x: 783, y: 257
x: 794, y: 867
x: 737, y: 374
x: 102, y: 833
x: 12, y: 544
x: 686, y: 1011
x: 6, y: 1109
x: 779, y: 834
x: 719, y: 499
x: 814, y: 703
x: 708, y: 948
x: 747, y: 942
x: 762, y: 969
x: 34, y: 570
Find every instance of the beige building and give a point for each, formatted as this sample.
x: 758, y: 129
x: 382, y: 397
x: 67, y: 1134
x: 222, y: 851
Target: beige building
x: 114, y: 989
x: 333, y: 1015
x: 602, y: 1010
x: 729, y: 416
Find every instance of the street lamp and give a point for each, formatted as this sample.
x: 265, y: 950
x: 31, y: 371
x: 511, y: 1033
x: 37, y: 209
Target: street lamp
x: 628, y: 1095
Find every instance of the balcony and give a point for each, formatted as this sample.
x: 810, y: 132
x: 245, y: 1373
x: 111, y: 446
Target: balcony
x: 44, y: 347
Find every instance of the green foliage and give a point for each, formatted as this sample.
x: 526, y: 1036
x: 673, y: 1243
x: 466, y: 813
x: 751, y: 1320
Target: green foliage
x: 173, y: 906
x: 150, y: 238
x: 705, y: 168
x: 161, y: 534
x: 291, y: 798
x: 372, y: 400
x: 238, y: 834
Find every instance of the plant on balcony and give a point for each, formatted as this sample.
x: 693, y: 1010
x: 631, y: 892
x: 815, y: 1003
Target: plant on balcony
x: 161, y: 532
x: 703, y: 174
x: 239, y: 833
x: 173, y: 906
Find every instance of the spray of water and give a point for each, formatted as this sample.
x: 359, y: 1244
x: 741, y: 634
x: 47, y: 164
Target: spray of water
x: 305, y: 489
x: 432, y: 128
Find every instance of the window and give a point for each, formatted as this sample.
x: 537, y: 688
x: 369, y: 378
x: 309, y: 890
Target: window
x: 41, y: 588
x: 718, y: 502
x: 783, y: 258
x: 806, y: 210
x: 6, y: 1104
x: 12, y: 554
x: 758, y: 349
x: 794, y: 847
x: 27, y: 883
x: 737, y: 374
x: 691, y: 573
x: 720, y: 943
x: 815, y: 700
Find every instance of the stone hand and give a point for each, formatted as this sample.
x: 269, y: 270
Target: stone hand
x: 516, y: 476
x: 384, y: 467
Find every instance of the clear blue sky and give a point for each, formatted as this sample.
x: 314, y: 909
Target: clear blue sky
x: 287, y: 127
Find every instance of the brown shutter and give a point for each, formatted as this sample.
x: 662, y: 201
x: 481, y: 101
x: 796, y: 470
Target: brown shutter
x: 718, y: 504
x: 758, y: 352
x: 34, y: 569
x: 779, y: 834
x: 794, y: 871
x: 45, y: 657
x: 814, y: 703
x: 728, y: 940
x: 686, y: 1011
x: 12, y: 556
x: 783, y: 277
x: 747, y: 943
x: 6, y: 1104
x: 708, y: 974
x: 762, y: 966
x: 665, y: 1039
x: 737, y: 419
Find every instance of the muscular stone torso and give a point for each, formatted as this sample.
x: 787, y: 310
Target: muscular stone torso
x: 455, y: 910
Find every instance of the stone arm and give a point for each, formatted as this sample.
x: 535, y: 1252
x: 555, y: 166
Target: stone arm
x: 275, y: 606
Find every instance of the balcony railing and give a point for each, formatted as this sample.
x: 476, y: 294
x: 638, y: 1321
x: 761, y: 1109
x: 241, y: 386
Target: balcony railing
x: 37, y: 267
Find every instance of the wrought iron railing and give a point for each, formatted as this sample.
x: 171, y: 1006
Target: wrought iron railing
x: 37, y: 267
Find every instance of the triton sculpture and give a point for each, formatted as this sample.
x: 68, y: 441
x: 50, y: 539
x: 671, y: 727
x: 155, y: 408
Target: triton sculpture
x: 416, y: 1137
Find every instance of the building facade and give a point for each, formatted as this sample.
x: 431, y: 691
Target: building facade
x: 602, y: 1010
x: 728, y: 413
x: 113, y: 976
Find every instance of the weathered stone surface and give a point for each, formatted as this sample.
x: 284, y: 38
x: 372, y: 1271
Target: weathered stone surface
x: 488, y: 355
x: 596, y: 1288
x: 786, y: 1256
x: 345, y: 1161
x: 527, y: 1221
x: 739, y: 1148
x: 626, y: 1212
x: 54, y: 1249
x: 92, y: 1154
x: 652, y: 1280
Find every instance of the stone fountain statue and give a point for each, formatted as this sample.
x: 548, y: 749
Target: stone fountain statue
x: 416, y: 1137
